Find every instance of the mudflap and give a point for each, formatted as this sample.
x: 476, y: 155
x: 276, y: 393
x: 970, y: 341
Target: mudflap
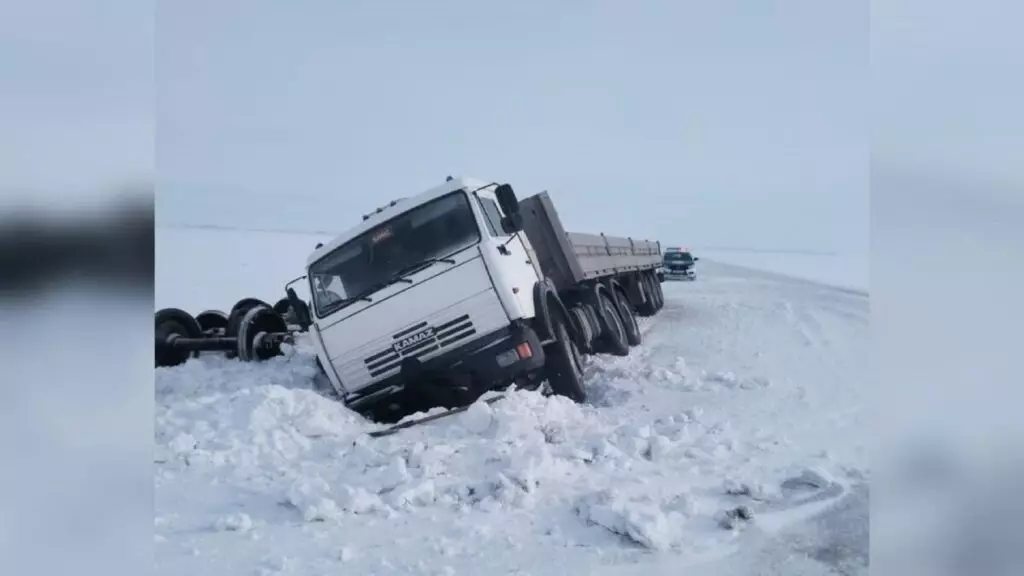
x: 410, y: 423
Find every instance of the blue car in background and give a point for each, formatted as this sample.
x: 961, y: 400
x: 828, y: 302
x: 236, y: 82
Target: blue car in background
x: 678, y: 264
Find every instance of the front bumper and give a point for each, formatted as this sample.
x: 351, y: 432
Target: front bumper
x: 487, y: 362
x: 687, y: 274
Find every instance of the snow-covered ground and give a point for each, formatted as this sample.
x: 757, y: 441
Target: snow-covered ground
x: 749, y: 393
x: 844, y: 270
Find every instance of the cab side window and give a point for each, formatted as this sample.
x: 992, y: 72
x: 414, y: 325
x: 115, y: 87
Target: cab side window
x: 492, y: 214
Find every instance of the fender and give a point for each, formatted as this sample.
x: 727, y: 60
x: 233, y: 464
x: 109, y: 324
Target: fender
x: 541, y: 291
x: 614, y: 286
x: 591, y: 296
x: 632, y: 293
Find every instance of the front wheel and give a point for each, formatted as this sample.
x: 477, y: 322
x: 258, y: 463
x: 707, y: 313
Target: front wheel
x: 563, y: 366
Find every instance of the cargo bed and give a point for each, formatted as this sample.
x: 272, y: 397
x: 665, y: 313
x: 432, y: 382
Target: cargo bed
x: 569, y: 258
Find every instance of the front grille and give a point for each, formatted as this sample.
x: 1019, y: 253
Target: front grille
x: 418, y: 340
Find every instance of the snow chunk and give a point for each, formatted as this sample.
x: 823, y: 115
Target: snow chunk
x: 732, y: 380
x: 750, y: 489
x: 641, y: 521
x: 809, y: 478
x: 233, y: 523
x: 733, y: 518
x: 347, y: 554
x: 416, y: 493
x: 727, y: 378
x: 310, y: 496
x: 659, y: 448
x: 393, y: 475
x: 360, y: 501
x: 478, y: 418
x: 183, y: 444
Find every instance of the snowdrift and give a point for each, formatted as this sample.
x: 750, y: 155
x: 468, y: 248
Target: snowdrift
x: 740, y: 415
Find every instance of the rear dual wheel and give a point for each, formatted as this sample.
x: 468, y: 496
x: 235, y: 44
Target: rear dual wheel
x: 659, y: 295
x: 650, y: 305
x: 614, y: 338
x: 633, y: 336
x: 563, y: 365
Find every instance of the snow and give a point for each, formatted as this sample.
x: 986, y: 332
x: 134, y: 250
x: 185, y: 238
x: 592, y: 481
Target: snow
x: 851, y: 271
x: 723, y: 442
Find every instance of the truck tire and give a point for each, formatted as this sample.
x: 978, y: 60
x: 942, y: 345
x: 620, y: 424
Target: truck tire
x: 646, y: 308
x: 613, y: 330
x: 659, y: 293
x: 633, y: 337
x: 563, y: 366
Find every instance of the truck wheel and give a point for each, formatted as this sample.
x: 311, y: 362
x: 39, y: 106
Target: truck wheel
x: 613, y: 334
x: 647, y: 307
x: 563, y: 367
x: 657, y: 296
x: 633, y: 337
x: 238, y: 312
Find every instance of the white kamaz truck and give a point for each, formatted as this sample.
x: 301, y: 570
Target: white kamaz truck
x: 436, y: 299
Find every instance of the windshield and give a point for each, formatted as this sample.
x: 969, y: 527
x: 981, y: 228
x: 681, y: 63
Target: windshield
x: 678, y: 256
x: 383, y: 254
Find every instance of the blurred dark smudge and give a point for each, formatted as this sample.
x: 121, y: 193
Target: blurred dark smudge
x: 41, y: 251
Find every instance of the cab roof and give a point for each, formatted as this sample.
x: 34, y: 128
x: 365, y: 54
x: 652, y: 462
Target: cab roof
x: 392, y: 209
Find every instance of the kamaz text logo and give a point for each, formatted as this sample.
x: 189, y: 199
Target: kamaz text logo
x: 414, y: 339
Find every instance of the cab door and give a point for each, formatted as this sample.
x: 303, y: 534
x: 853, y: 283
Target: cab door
x: 516, y: 258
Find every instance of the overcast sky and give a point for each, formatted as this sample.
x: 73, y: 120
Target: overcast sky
x: 76, y: 98
x: 739, y: 123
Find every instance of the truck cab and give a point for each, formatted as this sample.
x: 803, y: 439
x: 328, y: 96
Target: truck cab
x: 678, y: 264
x: 434, y: 287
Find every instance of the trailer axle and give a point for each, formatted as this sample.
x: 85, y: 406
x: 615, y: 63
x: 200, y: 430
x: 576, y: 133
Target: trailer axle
x: 255, y: 333
x: 214, y: 344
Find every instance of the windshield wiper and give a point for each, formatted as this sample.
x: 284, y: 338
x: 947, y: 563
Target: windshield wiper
x: 364, y: 298
x: 343, y: 302
x: 400, y: 276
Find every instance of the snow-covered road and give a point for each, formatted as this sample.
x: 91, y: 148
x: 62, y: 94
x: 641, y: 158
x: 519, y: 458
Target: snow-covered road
x: 749, y: 392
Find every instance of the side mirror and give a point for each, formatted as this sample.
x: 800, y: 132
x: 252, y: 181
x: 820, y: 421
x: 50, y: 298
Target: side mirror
x: 512, y: 223
x: 695, y: 258
x: 300, y: 310
x: 507, y: 199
